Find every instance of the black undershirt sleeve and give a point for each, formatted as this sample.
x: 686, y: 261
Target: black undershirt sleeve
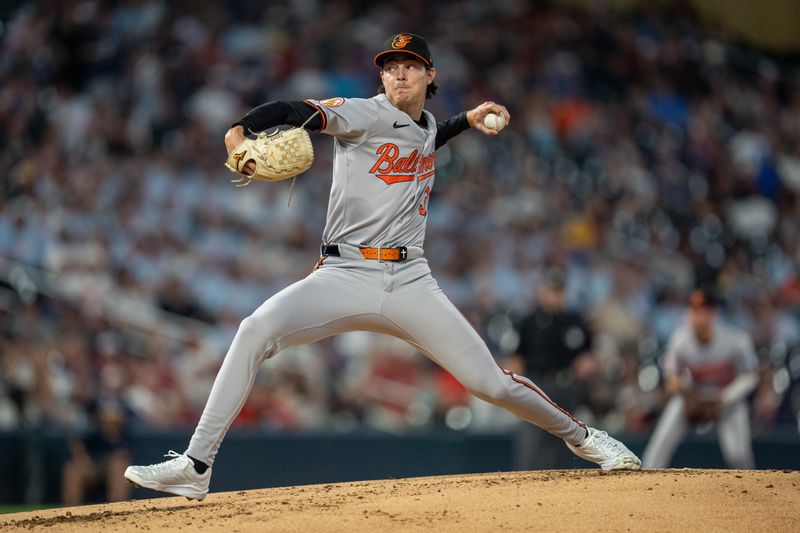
x: 296, y: 113
x: 274, y: 114
x: 447, y: 129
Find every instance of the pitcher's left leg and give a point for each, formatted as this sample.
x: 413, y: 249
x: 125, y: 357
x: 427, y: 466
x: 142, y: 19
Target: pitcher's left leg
x: 425, y: 317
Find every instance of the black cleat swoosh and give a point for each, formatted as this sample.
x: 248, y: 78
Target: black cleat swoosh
x: 396, y: 125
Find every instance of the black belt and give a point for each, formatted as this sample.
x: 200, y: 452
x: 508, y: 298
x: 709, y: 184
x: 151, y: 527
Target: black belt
x: 399, y: 254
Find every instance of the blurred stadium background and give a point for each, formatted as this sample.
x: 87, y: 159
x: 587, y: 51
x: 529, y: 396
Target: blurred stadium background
x: 653, y: 146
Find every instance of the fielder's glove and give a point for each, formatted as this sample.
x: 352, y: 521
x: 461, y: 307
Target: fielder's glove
x: 278, y: 156
x: 700, y: 410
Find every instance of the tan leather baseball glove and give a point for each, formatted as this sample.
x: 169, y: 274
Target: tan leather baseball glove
x: 278, y: 156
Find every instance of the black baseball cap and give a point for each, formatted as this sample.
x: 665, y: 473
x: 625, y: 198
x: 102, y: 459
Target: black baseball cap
x: 405, y: 43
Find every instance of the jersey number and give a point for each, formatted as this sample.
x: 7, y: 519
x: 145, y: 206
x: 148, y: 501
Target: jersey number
x: 423, y: 207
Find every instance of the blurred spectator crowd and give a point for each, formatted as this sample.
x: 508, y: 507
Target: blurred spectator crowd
x: 647, y: 153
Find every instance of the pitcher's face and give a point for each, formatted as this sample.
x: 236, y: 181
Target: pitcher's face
x: 405, y: 80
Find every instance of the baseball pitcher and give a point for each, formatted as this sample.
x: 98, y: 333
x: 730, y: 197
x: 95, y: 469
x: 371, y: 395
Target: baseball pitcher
x: 709, y: 370
x: 372, y: 274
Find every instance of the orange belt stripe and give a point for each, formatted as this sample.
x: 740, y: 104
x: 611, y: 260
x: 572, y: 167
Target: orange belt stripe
x: 387, y: 254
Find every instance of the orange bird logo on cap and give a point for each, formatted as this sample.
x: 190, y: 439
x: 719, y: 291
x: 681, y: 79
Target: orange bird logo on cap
x: 400, y: 41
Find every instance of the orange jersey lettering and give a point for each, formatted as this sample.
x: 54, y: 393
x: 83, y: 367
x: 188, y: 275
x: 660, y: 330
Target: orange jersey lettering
x: 391, y: 168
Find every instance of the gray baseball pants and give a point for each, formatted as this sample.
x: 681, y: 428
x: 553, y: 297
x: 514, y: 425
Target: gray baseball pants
x: 733, y: 431
x: 349, y: 293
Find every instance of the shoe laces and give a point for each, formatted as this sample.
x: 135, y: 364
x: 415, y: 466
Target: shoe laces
x: 172, y: 455
x: 609, y: 443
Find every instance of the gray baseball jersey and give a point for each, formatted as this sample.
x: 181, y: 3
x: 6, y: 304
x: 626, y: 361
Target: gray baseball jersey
x: 713, y: 366
x: 727, y: 364
x: 383, y: 172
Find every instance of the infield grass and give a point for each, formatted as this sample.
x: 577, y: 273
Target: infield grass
x: 21, y: 508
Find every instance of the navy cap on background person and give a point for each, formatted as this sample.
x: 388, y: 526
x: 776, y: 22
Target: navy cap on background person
x: 405, y: 43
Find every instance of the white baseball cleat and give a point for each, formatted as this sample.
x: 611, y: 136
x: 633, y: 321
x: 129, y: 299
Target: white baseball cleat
x: 176, y: 476
x: 598, y: 447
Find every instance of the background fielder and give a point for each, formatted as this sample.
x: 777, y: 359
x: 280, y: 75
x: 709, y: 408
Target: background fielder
x: 372, y: 274
x: 709, y: 369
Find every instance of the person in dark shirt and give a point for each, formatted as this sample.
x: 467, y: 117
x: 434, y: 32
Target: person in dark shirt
x: 555, y: 352
x: 93, y: 472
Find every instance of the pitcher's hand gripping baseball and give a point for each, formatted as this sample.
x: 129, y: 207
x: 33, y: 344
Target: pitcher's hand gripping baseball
x: 277, y: 156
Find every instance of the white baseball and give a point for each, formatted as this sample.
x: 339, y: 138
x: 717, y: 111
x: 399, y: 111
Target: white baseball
x: 495, y: 121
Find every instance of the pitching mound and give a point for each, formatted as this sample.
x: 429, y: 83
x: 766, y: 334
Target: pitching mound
x: 572, y: 500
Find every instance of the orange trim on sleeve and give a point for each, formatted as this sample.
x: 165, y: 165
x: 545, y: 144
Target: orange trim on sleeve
x: 321, y: 112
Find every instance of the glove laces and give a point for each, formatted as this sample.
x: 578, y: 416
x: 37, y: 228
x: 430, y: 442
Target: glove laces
x: 291, y: 189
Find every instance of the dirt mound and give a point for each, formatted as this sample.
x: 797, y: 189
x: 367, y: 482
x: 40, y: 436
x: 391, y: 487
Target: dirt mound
x: 570, y: 500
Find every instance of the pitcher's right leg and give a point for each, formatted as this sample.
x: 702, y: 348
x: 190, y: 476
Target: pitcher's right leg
x: 329, y: 301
